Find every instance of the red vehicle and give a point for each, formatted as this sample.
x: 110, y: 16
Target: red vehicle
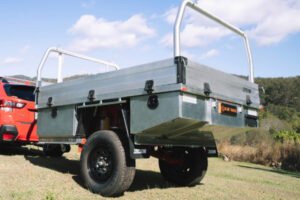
x: 17, y: 116
x: 17, y: 110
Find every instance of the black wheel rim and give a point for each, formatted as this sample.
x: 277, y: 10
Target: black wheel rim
x: 100, y: 164
x: 186, y: 167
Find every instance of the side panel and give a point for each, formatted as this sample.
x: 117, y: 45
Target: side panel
x: 142, y: 117
x: 63, y: 123
x: 117, y: 84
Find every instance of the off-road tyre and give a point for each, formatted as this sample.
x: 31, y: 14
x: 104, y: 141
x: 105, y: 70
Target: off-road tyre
x: 190, y: 171
x: 105, y: 167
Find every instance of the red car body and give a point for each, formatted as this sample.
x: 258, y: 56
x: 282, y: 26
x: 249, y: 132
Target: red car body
x: 17, y: 113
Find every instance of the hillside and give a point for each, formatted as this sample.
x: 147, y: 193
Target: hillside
x: 282, y: 98
x: 281, y: 91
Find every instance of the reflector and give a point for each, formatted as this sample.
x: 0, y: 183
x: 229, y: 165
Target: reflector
x: 8, y: 136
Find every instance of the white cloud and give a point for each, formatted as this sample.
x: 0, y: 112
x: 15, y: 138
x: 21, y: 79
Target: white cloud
x: 92, y: 33
x: 11, y: 61
x: 209, y: 54
x: 25, y: 49
x: 167, y: 40
x: 189, y: 54
x: 88, y: 4
x: 193, y: 35
x: 170, y: 15
x: 266, y: 21
x: 275, y: 28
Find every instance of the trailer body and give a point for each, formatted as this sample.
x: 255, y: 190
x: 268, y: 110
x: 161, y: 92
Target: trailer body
x: 168, y: 109
x: 185, y: 107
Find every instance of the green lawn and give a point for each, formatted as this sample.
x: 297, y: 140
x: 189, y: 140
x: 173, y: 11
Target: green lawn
x: 27, y: 175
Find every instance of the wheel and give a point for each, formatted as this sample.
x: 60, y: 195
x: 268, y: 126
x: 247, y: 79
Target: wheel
x: 105, y: 166
x: 56, y: 150
x: 188, y: 170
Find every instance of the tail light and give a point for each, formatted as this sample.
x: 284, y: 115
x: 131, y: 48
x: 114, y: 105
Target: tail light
x: 7, y: 136
x: 11, y: 104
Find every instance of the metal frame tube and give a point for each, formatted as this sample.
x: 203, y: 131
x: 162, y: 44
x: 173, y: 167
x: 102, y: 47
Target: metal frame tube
x: 62, y: 52
x: 59, y: 70
x: 194, y: 6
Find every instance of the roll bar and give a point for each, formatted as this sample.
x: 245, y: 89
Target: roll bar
x: 194, y: 6
x: 62, y: 52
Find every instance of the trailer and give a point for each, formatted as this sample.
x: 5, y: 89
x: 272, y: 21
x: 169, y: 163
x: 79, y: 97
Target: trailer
x: 165, y: 109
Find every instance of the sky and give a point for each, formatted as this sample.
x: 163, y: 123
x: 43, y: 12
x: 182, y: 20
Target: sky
x: 133, y: 32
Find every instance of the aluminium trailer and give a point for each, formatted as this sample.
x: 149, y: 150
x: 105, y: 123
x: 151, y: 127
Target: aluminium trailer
x: 164, y: 109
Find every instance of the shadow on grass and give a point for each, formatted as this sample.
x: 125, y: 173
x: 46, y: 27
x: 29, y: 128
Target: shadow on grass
x: 59, y: 164
x: 278, y: 171
x: 13, y: 149
x: 143, y: 180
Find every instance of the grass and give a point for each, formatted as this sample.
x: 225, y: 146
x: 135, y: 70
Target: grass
x: 26, y: 174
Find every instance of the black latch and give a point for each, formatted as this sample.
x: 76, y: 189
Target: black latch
x: 181, y: 63
x: 248, y: 100
x: 152, y: 102
x: 49, y: 102
x: 149, y: 86
x: 207, y: 89
x: 91, y: 95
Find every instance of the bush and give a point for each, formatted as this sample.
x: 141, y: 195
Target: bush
x: 278, y: 149
x: 252, y: 138
x: 291, y: 157
x: 286, y: 136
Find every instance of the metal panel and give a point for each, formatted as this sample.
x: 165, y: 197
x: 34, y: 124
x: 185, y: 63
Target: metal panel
x: 194, y: 110
x: 123, y: 83
x: 142, y: 117
x: 172, y: 118
x: 131, y: 81
x: 227, y: 120
x: 64, y: 124
x: 189, y: 137
x: 224, y: 86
